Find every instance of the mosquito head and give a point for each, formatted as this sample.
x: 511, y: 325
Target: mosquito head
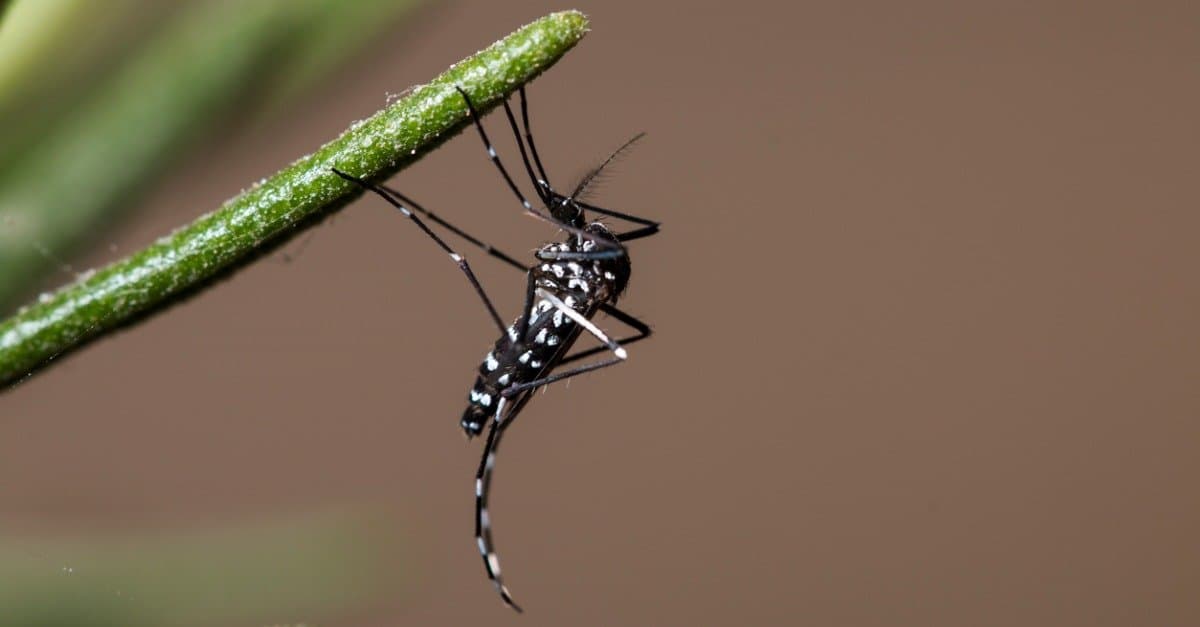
x: 566, y: 210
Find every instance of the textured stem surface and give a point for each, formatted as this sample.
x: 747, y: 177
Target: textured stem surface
x: 260, y: 217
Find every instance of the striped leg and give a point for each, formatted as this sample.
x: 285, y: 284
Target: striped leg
x: 483, y: 480
x: 642, y: 330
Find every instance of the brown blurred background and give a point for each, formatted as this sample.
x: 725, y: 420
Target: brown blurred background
x: 925, y: 310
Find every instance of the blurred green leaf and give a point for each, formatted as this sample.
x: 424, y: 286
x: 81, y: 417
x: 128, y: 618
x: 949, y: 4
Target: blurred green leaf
x: 201, y: 66
x: 54, y: 194
x: 283, y: 571
x: 34, y: 33
x: 39, y: 83
x: 336, y: 30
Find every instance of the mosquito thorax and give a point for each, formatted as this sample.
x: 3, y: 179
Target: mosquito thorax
x: 618, y: 267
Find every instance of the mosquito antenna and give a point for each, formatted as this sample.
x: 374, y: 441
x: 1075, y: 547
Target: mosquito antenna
x: 591, y: 176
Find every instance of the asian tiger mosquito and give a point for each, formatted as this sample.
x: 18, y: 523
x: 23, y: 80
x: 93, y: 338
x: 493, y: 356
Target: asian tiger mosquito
x: 571, y: 282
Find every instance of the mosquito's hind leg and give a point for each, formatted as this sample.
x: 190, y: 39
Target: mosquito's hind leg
x: 483, y: 480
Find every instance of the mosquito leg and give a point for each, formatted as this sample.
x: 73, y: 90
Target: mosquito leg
x: 474, y: 241
x: 642, y: 329
x: 501, y: 422
x: 617, y: 214
x: 637, y: 233
x: 576, y: 255
x: 457, y: 258
x: 491, y: 150
x: 589, y: 252
x: 529, y: 138
x: 539, y: 185
x: 483, y: 480
x: 649, y: 227
x: 548, y: 194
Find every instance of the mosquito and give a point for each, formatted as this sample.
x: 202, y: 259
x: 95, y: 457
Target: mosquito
x: 569, y: 284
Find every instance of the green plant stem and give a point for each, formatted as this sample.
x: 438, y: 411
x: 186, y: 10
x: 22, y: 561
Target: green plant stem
x: 263, y: 215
